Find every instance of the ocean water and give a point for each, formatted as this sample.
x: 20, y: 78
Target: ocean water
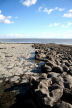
x: 44, y: 41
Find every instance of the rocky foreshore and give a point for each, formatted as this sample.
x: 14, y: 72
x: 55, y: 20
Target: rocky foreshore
x: 44, y: 81
x: 53, y: 88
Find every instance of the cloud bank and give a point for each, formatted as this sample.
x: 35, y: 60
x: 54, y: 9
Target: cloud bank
x: 28, y: 3
x: 49, y: 11
x: 4, y: 19
x: 54, y: 25
x: 68, y: 14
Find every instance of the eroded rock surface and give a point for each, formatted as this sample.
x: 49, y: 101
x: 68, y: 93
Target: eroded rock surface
x: 53, y: 88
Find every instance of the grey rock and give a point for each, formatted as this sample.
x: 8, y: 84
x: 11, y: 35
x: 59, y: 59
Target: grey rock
x: 68, y: 81
x: 50, y: 63
x: 67, y: 64
x: 48, y: 91
x: 57, y: 69
x: 43, y: 76
x: 65, y: 68
x: 63, y: 105
x: 46, y: 68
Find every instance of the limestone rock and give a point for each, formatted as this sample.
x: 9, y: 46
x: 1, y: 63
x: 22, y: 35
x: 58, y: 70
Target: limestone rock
x: 57, y: 69
x: 63, y: 105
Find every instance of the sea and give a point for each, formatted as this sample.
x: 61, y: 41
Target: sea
x: 41, y: 41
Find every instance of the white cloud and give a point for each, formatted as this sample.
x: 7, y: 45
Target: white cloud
x: 49, y: 11
x: 4, y: 19
x: 28, y: 3
x: 70, y: 10
x: 7, y: 21
x: 0, y: 11
x: 9, y: 17
x: 40, y: 8
x: 54, y: 25
x: 68, y: 14
x: 67, y: 25
x: 59, y: 9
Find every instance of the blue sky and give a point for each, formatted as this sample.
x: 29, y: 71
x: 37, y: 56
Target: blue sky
x: 35, y: 18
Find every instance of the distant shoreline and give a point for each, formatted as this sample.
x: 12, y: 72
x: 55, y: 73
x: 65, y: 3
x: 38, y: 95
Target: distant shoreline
x: 38, y: 41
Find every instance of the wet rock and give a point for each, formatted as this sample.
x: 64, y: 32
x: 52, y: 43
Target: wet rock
x: 68, y: 81
x: 39, y: 55
x: 67, y: 64
x: 54, y: 87
x: 67, y: 94
x: 53, y: 74
x: 56, y: 78
x: 57, y: 61
x: 63, y: 105
x: 70, y: 68
x: 45, y: 68
x: 43, y: 76
x: 33, y: 83
x: 65, y: 68
x: 57, y: 69
x: 50, y: 63
x: 49, y: 57
x: 41, y: 63
x: 48, y: 91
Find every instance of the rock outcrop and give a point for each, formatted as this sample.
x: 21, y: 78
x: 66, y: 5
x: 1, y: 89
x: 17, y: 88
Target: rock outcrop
x: 53, y: 88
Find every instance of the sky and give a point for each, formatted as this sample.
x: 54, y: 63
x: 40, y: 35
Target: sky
x: 36, y: 19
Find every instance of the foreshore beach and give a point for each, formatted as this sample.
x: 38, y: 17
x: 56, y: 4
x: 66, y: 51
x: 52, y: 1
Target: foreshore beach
x: 35, y: 75
x: 15, y: 60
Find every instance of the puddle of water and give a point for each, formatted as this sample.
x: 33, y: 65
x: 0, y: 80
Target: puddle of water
x: 37, y: 61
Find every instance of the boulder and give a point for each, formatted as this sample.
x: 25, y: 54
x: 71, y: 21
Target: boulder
x: 67, y: 94
x: 63, y: 105
x: 65, y: 68
x: 57, y: 69
x: 68, y: 81
x: 50, y: 63
x: 67, y: 63
x: 43, y: 76
x: 45, y: 68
